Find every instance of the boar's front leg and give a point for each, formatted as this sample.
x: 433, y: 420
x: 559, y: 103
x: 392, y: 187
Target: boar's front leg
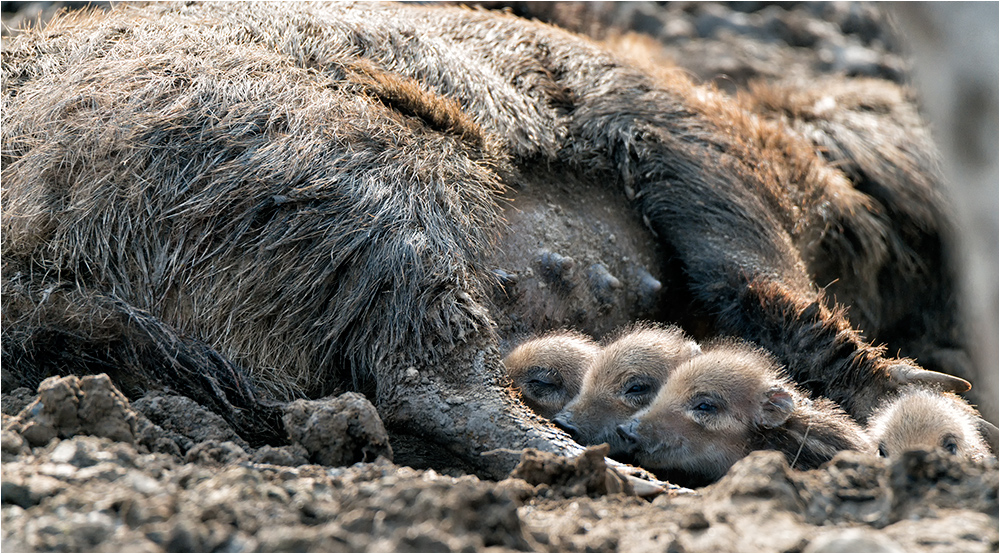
x: 463, y: 403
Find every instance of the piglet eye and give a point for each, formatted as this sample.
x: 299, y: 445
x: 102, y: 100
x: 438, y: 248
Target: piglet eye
x: 542, y: 378
x: 950, y: 444
x: 881, y: 451
x: 706, y: 407
x: 638, y: 388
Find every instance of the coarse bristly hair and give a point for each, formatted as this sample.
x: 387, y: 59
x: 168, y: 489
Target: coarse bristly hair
x: 282, y: 189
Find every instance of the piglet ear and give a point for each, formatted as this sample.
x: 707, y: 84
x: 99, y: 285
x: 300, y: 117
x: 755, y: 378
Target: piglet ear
x: 990, y: 434
x: 777, y: 407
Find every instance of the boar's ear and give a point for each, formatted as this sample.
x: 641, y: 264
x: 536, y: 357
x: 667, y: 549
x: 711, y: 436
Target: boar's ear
x: 905, y: 374
x: 778, y: 405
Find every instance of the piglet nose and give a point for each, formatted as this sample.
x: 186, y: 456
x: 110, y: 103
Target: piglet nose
x: 564, y: 424
x: 629, y: 432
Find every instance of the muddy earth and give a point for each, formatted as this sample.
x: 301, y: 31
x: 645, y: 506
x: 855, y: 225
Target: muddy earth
x: 85, y: 469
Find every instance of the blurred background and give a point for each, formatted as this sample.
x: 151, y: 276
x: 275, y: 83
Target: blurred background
x: 956, y: 56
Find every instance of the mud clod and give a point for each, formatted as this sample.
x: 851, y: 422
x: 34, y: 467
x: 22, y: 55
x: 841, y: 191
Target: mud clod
x: 12, y: 444
x: 67, y: 406
x: 291, y: 455
x: 185, y: 422
x: 11, y: 404
x: 853, y: 488
x: 858, y: 488
x: 213, y: 452
x: 924, y: 483
x: 558, y: 476
x: 761, y: 475
x: 695, y: 521
x: 338, y: 431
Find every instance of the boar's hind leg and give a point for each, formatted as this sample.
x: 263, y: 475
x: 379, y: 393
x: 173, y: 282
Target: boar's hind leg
x: 62, y: 330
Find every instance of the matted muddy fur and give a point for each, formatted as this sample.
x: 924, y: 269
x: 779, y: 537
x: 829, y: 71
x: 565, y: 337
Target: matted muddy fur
x: 623, y: 379
x: 924, y: 419
x: 247, y: 201
x: 548, y: 370
x: 732, y: 400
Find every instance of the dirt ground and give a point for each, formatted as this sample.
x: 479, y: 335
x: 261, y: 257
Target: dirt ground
x: 84, y: 469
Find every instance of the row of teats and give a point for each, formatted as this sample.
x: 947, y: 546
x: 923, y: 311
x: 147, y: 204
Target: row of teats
x: 690, y: 411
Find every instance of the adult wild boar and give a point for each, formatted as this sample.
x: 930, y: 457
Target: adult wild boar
x: 250, y: 202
